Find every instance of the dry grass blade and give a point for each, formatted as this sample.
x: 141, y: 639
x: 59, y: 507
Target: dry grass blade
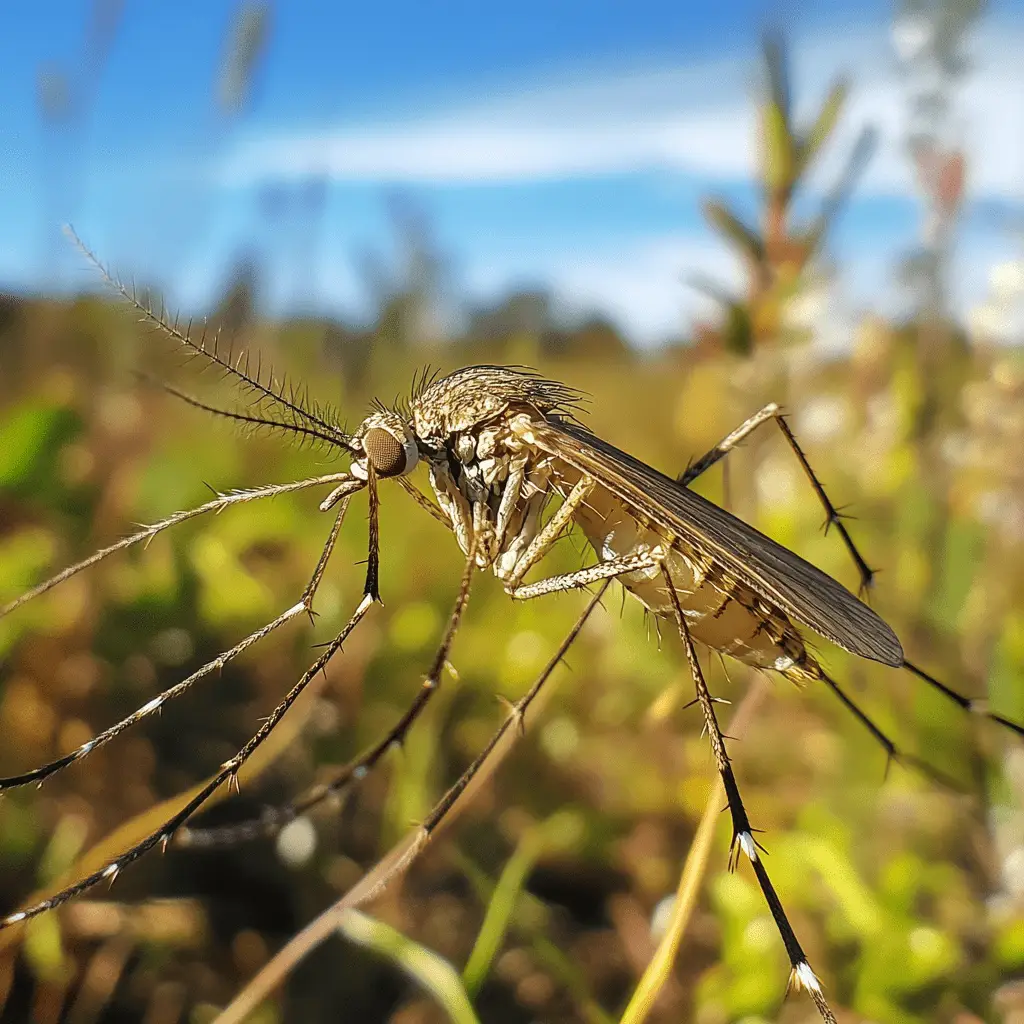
x: 658, y: 970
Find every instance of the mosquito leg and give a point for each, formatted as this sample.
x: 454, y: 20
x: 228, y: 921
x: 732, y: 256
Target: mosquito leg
x: 321, y: 566
x: 550, y: 531
x: 372, y: 586
x: 892, y: 752
x: 394, y: 863
x: 801, y: 975
x: 401, y: 856
x: 274, y: 818
x: 700, y: 466
x: 229, y: 770
x: 271, y: 819
x: 867, y: 576
x: 977, y: 707
x: 147, y: 533
x: 304, y: 604
x: 423, y: 501
x: 834, y: 518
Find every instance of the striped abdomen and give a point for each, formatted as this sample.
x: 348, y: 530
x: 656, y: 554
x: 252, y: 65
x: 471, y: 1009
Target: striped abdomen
x: 721, y: 611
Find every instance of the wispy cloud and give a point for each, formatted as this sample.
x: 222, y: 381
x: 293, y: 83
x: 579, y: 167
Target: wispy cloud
x: 490, y: 148
x: 697, y: 120
x: 581, y: 123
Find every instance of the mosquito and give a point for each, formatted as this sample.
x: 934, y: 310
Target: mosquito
x: 512, y: 469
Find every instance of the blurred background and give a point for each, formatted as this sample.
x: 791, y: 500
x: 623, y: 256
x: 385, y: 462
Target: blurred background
x: 686, y: 211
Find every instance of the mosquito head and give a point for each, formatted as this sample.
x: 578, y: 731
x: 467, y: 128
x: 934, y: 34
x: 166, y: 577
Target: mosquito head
x: 385, y: 441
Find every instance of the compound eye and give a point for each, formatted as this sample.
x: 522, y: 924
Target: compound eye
x: 385, y: 451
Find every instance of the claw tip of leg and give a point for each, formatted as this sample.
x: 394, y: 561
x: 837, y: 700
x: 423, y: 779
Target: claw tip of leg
x: 804, y: 977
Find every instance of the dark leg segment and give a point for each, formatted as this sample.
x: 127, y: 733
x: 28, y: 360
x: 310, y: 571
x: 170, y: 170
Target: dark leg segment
x: 228, y: 771
x: 973, y: 706
x: 274, y: 818
x: 866, y: 573
x: 801, y: 975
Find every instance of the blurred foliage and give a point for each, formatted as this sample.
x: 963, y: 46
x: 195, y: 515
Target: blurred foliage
x: 250, y: 31
x: 778, y: 254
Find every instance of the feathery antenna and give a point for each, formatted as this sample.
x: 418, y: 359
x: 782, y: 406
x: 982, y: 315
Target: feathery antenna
x: 302, y: 415
x: 299, y: 430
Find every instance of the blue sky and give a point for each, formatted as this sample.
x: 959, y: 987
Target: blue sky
x: 564, y: 143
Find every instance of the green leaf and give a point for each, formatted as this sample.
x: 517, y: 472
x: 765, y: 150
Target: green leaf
x: 776, y: 64
x: 780, y: 147
x: 738, y: 330
x: 739, y: 234
x: 779, y: 156
x: 423, y: 965
x: 824, y: 124
x: 499, y: 909
x: 859, y: 156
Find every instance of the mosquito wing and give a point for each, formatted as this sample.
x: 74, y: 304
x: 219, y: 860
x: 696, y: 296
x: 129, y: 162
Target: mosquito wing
x: 798, y: 588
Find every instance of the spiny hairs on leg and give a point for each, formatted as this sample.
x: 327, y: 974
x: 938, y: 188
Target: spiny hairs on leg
x: 833, y: 517
x: 297, y: 408
x: 975, y: 707
x: 801, y: 974
x: 305, y: 604
x: 274, y: 818
x: 147, y: 533
x: 404, y: 853
x: 229, y: 770
x: 78, y: 754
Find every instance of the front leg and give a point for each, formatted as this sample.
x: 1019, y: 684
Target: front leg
x: 453, y: 504
x: 550, y: 532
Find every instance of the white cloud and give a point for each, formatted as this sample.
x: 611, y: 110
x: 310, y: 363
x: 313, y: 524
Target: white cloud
x: 697, y: 120
x: 462, y: 150
x: 579, y: 124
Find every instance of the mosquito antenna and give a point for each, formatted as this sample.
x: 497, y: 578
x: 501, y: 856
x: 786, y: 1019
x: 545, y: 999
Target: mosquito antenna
x: 297, y: 429
x: 280, y: 395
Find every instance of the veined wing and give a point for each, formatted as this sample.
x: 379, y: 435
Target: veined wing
x: 801, y: 590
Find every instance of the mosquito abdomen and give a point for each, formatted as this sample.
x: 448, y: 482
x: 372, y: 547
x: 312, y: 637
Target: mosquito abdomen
x: 721, y: 612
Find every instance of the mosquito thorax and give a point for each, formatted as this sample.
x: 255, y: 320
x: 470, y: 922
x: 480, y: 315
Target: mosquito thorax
x: 469, y: 398
x: 385, y: 442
